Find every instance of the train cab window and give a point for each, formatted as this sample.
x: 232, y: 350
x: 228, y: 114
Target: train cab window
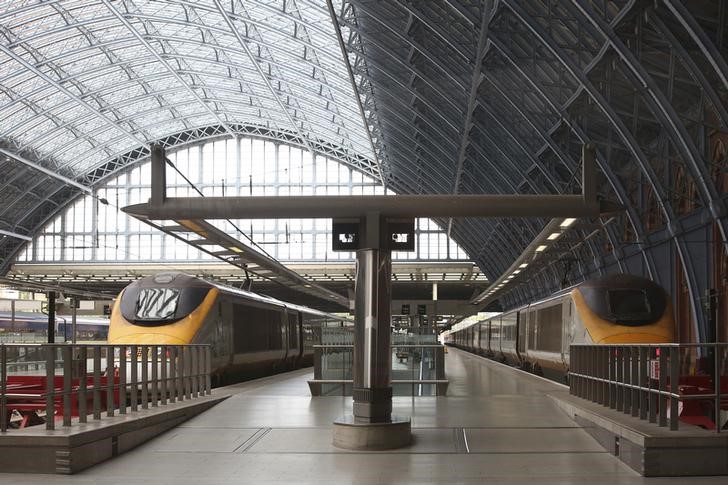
x: 156, y: 303
x: 628, y: 304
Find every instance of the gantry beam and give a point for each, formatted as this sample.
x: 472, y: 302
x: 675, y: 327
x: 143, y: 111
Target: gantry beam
x: 357, y: 206
x: 579, y: 205
x: 441, y: 205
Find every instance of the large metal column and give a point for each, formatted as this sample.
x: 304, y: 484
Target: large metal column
x: 372, y: 352
x: 372, y: 425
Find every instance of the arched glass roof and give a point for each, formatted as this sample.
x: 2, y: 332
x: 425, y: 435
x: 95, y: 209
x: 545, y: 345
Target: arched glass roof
x: 84, y: 82
x: 450, y: 96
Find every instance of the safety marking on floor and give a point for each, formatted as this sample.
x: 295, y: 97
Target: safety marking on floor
x: 250, y: 442
x: 461, y: 440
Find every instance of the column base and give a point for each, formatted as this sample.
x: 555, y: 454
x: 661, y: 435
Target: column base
x: 352, y: 435
x: 372, y: 405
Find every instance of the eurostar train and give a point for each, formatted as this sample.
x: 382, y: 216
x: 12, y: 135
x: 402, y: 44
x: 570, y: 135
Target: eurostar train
x: 250, y: 335
x: 615, y: 309
x: 26, y: 324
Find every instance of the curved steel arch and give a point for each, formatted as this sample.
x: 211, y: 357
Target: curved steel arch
x: 607, y: 109
x: 564, y: 52
x: 614, y: 182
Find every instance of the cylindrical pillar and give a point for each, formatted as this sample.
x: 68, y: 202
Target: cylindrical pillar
x: 372, y: 352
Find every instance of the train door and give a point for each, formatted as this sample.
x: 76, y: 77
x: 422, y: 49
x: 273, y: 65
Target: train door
x: 532, y: 329
x: 283, y: 325
x: 222, y: 348
x: 484, y: 334
x: 293, y: 335
x: 521, y: 335
x: 495, y: 337
x: 300, y: 334
x: 489, y: 337
x: 566, y: 330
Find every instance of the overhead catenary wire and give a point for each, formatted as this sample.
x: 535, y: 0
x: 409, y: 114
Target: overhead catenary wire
x: 240, y: 231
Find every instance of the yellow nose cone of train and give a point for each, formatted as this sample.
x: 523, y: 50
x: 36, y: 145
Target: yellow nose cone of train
x: 183, y: 331
x: 147, y: 339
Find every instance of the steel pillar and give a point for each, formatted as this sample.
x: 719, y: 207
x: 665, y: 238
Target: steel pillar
x: 159, y: 176
x: 372, y: 425
x: 51, y: 317
x: 372, y: 352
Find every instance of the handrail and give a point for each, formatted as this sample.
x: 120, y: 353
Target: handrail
x: 350, y: 346
x: 642, y: 379
x: 178, y: 372
x: 393, y: 381
x: 654, y: 346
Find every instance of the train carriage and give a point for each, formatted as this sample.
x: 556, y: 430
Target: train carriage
x: 250, y: 335
x: 612, y: 309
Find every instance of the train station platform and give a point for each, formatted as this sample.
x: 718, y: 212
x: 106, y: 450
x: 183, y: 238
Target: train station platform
x: 496, y: 425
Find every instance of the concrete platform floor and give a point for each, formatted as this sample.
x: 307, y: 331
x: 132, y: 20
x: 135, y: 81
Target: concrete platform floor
x: 496, y: 425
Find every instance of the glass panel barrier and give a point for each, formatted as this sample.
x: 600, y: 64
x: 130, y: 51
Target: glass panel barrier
x: 417, y: 370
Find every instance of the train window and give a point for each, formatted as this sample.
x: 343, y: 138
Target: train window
x: 256, y: 329
x: 628, y: 303
x: 549, y: 328
x: 156, y: 303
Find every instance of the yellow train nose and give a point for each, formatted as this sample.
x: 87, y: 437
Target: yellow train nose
x: 147, y: 339
x: 634, y: 338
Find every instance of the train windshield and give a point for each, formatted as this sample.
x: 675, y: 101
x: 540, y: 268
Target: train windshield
x: 157, y: 303
x: 628, y: 303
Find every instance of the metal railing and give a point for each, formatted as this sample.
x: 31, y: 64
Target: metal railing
x: 417, y: 370
x: 659, y: 382
x: 74, y: 381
